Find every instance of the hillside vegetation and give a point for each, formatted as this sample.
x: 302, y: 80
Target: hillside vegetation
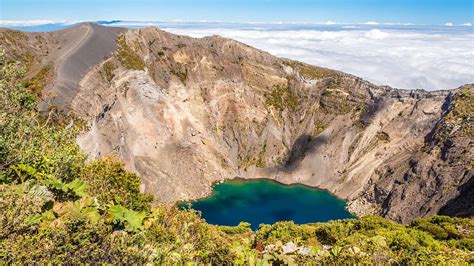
x: 55, y: 207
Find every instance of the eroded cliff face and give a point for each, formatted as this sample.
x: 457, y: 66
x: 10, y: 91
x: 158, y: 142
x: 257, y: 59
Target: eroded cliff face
x: 437, y: 174
x: 184, y: 113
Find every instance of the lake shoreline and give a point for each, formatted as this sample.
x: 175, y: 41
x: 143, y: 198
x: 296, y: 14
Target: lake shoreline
x: 267, y: 201
x: 213, y: 184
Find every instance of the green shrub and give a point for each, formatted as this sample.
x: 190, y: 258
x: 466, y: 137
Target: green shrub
x: 443, y: 227
x: 26, y: 138
x: 331, y: 233
x: 465, y: 244
x: 286, y: 232
x: 241, y: 228
x: 182, y: 75
x: 128, y: 56
x: 108, y: 70
x: 282, y: 97
x: 38, y: 82
x: 311, y: 72
x: 110, y: 182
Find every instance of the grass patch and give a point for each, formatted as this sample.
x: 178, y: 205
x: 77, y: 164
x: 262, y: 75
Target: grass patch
x: 457, y: 121
x: 182, y: 75
x: 258, y: 161
x: 462, y: 111
x: 38, y: 82
x: 383, y: 137
x: 319, y: 127
x: 335, y: 101
x: 127, y: 56
x: 281, y: 98
x: 310, y: 72
x: 108, y: 71
x: 356, y: 115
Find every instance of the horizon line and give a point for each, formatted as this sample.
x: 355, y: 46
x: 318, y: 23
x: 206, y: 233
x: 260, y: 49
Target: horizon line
x: 44, y: 22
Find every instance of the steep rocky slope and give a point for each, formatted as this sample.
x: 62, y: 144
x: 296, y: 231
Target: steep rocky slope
x: 185, y: 113
x: 57, y: 61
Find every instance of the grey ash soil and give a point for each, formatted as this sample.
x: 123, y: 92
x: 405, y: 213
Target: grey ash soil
x: 185, y: 112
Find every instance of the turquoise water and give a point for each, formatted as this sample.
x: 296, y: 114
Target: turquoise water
x: 263, y: 201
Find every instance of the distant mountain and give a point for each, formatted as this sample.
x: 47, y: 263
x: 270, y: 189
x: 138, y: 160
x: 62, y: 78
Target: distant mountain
x: 108, y: 22
x: 185, y: 112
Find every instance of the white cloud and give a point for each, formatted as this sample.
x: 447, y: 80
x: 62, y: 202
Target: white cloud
x: 449, y: 24
x: 394, y: 54
x: 350, y: 27
x: 137, y: 24
x: 398, y: 56
x: 376, y: 34
x: 375, y: 23
x: 371, y: 23
x: 26, y: 23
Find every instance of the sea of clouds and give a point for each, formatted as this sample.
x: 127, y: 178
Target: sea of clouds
x: 399, y: 55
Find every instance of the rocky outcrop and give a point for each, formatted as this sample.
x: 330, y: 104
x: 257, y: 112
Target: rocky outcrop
x: 439, y: 173
x: 185, y: 112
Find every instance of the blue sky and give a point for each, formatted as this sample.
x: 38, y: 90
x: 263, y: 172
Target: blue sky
x: 342, y: 11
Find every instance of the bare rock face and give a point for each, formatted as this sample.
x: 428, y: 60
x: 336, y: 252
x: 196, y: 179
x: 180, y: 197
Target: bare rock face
x: 438, y: 174
x: 185, y: 112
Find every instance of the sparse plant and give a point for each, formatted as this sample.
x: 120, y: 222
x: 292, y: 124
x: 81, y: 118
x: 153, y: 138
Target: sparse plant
x: 128, y: 56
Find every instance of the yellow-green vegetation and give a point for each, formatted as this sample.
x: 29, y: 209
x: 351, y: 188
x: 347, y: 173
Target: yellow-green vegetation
x: 334, y: 83
x: 38, y: 82
x: 372, y: 240
x: 108, y: 179
x: 311, y: 72
x: 108, y: 70
x: 29, y: 139
x: 57, y: 208
x: 128, y: 56
x: 462, y: 111
x: 182, y: 75
x: 27, y: 58
x: 258, y: 161
x: 281, y: 98
x: 319, y: 127
x: 336, y: 102
x: 382, y: 137
x: 456, y: 125
x: 15, y: 43
x: 379, y: 138
x: 14, y: 37
x: 357, y: 113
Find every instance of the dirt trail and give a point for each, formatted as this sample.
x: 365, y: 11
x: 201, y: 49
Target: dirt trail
x: 95, y: 43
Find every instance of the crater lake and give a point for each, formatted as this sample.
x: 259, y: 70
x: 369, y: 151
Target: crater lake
x: 264, y: 201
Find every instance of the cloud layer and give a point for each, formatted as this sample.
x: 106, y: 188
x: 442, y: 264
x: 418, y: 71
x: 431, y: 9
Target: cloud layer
x: 27, y: 23
x: 400, y: 55
x: 417, y: 57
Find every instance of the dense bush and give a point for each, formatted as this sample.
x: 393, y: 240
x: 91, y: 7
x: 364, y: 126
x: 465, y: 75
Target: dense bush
x: 109, y: 182
x: 29, y: 139
x: 56, y: 208
x: 370, y: 239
